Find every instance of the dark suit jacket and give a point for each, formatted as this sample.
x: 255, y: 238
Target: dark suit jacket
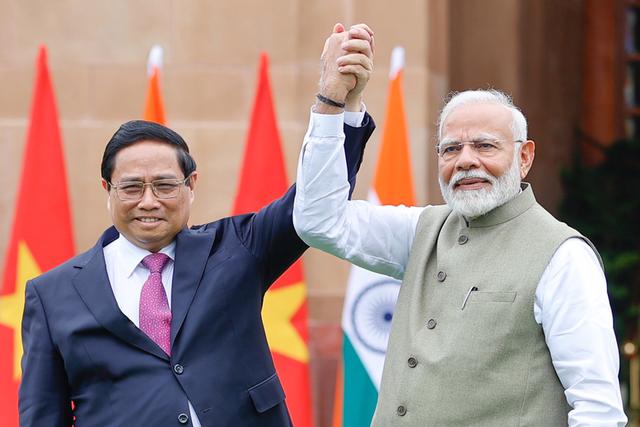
x: 80, y: 348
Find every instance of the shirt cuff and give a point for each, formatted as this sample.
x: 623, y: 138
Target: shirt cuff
x: 355, y: 118
x: 326, y: 125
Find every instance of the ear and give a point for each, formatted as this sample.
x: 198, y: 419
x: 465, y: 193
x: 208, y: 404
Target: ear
x: 105, y: 185
x: 527, y: 154
x: 192, y: 185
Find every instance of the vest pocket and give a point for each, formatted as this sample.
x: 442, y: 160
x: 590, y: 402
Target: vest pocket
x: 488, y: 296
x: 267, y: 394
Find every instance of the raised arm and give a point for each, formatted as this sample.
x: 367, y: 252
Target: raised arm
x: 269, y: 234
x: 374, y: 237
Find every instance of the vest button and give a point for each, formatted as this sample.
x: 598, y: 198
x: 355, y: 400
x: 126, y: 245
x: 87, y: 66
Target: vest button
x: 178, y: 368
x: 183, y: 418
x: 412, y: 362
x: 441, y: 276
x: 431, y: 323
x: 401, y: 410
x: 462, y: 239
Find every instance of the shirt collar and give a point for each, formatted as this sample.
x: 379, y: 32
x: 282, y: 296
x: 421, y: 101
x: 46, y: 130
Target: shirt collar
x: 130, y: 256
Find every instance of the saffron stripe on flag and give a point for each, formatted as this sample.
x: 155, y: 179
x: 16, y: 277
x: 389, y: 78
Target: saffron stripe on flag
x: 154, y: 107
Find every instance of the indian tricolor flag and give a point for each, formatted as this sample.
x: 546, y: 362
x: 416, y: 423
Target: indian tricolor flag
x: 41, y: 236
x: 371, y: 298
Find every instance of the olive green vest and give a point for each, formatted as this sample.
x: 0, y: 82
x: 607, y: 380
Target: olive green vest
x: 465, y: 349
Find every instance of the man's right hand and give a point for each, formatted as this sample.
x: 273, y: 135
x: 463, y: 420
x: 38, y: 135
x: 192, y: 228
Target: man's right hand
x: 347, y: 63
x: 359, y: 62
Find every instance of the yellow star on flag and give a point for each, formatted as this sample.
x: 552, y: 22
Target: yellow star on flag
x: 280, y: 305
x: 12, y: 305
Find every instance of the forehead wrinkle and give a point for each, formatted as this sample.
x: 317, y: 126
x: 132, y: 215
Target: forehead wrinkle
x: 470, y: 119
x: 476, y: 136
x: 147, y: 153
x: 139, y: 163
x: 484, y: 135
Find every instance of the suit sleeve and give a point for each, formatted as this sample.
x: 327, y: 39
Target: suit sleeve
x: 355, y: 140
x: 44, y: 398
x: 269, y: 233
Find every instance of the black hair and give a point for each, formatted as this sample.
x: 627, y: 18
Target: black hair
x: 141, y: 130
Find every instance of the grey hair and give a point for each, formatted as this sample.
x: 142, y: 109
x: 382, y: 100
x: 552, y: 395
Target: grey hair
x: 489, y: 96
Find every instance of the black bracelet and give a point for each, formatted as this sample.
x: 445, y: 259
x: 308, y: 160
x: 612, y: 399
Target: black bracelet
x: 330, y: 101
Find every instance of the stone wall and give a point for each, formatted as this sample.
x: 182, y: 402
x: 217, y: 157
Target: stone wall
x: 97, y: 57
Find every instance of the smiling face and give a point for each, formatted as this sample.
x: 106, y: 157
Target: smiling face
x: 472, y: 183
x: 149, y: 223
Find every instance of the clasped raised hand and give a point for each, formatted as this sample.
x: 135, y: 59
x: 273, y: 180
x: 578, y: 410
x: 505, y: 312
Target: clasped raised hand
x: 347, y: 64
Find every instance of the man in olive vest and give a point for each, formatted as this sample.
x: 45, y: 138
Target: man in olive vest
x: 503, y: 317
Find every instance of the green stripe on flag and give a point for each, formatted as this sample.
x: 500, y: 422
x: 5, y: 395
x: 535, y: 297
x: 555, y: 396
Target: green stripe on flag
x: 360, y: 394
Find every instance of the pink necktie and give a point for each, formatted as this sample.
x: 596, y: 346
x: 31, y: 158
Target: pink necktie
x: 155, y: 314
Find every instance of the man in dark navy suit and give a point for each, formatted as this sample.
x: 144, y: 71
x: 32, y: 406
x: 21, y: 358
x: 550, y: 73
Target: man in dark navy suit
x: 159, y: 324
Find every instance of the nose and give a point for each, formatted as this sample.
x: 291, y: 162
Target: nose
x: 149, y: 200
x: 467, y: 159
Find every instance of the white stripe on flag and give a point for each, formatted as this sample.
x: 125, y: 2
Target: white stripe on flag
x: 367, y: 313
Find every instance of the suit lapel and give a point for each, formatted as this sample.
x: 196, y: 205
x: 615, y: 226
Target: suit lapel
x: 192, y: 253
x: 92, y: 283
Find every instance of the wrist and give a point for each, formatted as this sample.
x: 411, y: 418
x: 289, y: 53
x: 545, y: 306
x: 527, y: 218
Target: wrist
x: 326, y: 100
x: 353, y: 103
x: 322, y: 108
x: 333, y: 91
x: 327, y: 105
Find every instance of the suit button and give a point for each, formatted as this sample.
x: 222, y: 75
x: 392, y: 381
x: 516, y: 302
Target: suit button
x: 183, y: 418
x: 178, y: 368
x: 431, y: 323
x: 412, y: 362
x: 441, y: 276
x: 462, y: 239
x: 401, y: 410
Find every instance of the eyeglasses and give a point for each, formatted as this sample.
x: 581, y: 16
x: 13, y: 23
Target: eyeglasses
x: 482, y: 147
x: 161, y: 188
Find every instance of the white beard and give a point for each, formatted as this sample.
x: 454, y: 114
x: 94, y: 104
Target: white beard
x: 474, y: 203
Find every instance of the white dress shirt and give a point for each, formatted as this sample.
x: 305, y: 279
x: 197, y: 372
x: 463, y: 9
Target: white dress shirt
x: 571, y: 301
x: 126, y: 274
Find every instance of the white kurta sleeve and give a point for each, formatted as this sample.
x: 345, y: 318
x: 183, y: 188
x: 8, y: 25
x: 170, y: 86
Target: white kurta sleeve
x: 572, y: 305
x: 377, y: 238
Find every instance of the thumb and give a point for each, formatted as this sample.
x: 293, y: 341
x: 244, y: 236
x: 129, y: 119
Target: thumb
x: 338, y: 28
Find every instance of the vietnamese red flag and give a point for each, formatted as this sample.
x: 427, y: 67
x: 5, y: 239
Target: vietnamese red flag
x: 41, y: 236
x: 284, y: 313
x: 154, y: 107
